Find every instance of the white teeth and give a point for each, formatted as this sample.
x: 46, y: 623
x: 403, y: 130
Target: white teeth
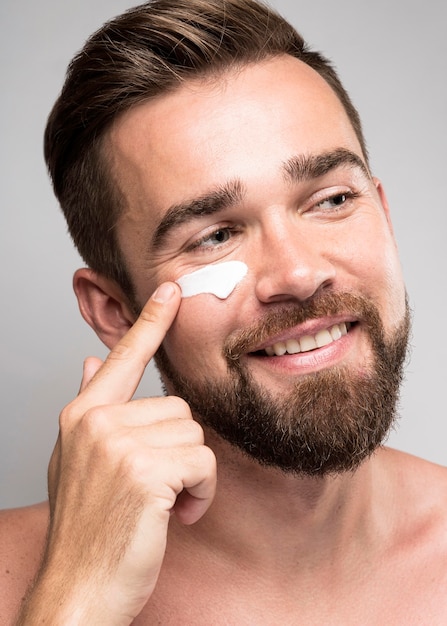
x: 279, y: 348
x: 323, y: 337
x: 335, y: 332
x: 308, y: 342
x: 293, y: 346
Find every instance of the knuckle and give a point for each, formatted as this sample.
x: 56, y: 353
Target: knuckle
x: 203, y: 458
x: 68, y: 417
x: 121, y: 352
x: 194, y: 430
x: 178, y: 406
x: 91, y: 426
x: 149, y: 316
x: 208, y: 458
x: 94, y: 421
x: 125, y: 353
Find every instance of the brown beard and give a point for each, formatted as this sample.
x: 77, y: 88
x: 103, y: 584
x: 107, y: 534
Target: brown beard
x: 331, y: 420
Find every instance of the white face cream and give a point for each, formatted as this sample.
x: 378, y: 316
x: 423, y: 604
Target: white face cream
x: 219, y: 279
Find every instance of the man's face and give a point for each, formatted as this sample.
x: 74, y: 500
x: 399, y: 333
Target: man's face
x: 262, y: 166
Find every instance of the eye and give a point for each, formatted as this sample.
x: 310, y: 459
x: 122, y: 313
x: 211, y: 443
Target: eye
x: 334, y: 202
x: 213, y: 239
x: 219, y: 236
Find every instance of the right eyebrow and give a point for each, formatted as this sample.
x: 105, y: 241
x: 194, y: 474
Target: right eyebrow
x: 212, y: 202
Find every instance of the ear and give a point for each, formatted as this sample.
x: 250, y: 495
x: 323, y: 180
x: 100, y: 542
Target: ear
x: 384, y: 202
x: 103, y: 305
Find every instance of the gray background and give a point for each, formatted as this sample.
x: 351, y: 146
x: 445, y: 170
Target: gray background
x: 392, y: 57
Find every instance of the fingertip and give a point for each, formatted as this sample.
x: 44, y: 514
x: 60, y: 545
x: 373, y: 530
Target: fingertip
x: 165, y: 292
x: 189, y: 509
x: 90, y: 366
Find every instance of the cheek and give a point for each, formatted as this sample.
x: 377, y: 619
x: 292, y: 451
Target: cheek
x: 205, y: 314
x: 395, y: 286
x: 194, y: 341
x: 381, y: 275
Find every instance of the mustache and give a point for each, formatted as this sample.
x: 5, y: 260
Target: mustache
x: 245, y: 340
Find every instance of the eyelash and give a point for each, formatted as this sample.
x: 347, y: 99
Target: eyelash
x: 206, y: 238
x: 347, y: 195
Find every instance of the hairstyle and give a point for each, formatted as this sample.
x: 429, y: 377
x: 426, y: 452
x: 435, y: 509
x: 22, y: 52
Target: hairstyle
x: 145, y: 52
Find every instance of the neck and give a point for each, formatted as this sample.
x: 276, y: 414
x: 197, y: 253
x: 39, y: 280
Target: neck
x: 264, y: 517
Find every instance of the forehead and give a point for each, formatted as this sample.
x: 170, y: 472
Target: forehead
x: 242, y: 125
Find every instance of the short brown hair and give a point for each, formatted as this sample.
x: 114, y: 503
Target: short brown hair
x: 150, y: 50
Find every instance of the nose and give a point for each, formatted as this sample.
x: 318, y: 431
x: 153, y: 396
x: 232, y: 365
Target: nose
x: 293, y: 262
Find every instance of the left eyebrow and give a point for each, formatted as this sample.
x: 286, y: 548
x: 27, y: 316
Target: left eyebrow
x: 212, y: 202
x: 307, y: 167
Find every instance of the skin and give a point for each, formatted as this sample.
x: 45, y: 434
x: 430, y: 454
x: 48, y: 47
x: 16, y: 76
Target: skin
x: 309, y: 250
x: 367, y: 547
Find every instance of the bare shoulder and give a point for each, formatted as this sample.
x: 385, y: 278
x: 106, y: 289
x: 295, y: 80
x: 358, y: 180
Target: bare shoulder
x: 410, y: 494
x: 416, y: 472
x: 22, y: 538
x: 417, y: 484
x: 418, y: 491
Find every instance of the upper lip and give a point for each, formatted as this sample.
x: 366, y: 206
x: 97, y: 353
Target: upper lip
x: 311, y: 327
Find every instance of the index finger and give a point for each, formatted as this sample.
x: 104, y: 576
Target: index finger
x: 117, y: 379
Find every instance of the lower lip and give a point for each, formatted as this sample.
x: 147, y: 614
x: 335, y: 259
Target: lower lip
x: 307, y: 362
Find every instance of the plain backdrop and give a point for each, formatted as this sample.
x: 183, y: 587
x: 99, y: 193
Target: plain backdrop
x: 392, y: 58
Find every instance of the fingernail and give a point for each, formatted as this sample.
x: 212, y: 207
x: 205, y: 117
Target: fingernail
x: 163, y: 293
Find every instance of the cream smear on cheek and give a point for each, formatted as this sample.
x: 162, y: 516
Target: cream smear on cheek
x: 220, y: 279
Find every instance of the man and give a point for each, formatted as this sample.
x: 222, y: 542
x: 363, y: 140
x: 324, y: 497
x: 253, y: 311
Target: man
x: 192, y: 138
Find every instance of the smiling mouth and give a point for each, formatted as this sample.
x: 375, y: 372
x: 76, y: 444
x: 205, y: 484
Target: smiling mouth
x: 307, y: 343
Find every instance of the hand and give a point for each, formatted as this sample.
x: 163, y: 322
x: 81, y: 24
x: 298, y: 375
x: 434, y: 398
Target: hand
x: 114, y: 477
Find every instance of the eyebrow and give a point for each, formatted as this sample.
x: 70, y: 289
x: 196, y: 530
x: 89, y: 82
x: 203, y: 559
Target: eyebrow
x: 216, y: 200
x: 307, y: 167
x: 296, y: 169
